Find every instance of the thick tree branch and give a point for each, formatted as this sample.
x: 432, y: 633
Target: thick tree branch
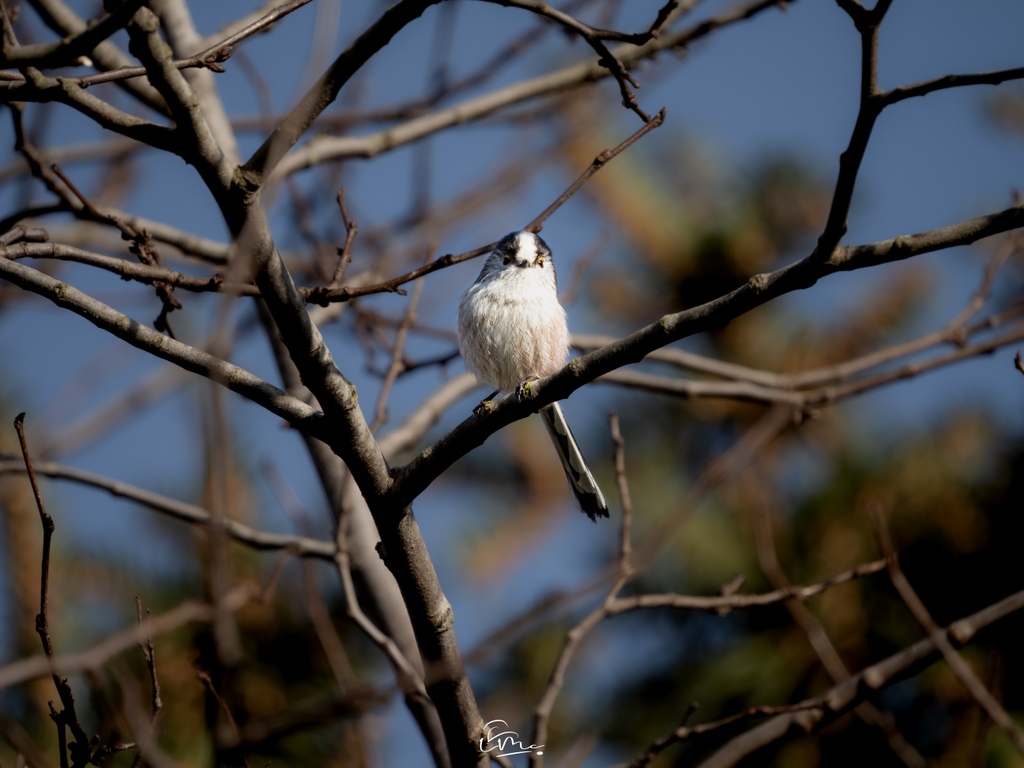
x: 198, y: 144
x: 45, y: 88
x: 352, y: 439
x: 413, y: 478
x: 871, y: 105
x: 66, y: 52
x: 403, y: 549
x: 958, y: 331
x: 106, y: 56
x: 180, y: 31
x: 376, y: 584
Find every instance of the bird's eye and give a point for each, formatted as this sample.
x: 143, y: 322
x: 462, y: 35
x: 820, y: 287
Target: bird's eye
x: 540, y: 261
x: 506, y: 259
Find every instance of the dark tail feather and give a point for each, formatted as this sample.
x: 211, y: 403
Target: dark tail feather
x: 581, y: 479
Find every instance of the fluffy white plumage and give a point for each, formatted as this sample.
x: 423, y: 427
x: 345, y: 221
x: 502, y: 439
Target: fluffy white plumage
x: 513, y: 329
x: 511, y: 326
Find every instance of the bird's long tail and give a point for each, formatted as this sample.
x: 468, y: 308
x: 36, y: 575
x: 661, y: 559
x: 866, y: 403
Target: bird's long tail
x: 581, y: 479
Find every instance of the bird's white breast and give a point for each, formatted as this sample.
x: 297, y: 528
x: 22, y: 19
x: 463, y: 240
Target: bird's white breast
x: 512, y: 328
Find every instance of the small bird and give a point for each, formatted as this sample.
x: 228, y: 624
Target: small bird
x: 512, y: 330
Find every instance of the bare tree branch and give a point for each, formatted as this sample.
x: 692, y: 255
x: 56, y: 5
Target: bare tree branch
x: 829, y: 395
x: 774, y: 387
x: 199, y: 146
x: 66, y: 718
x: 413, y: 478
x: 938, y: 637
x: 324, y: 91
x: 868, y: 24
x: 66, y: 51
x: 148, y: 340
x: 345, y: 293
x: 40, y: 87
x: 300, y: 546
x: 575, y: 636
x: 323, y: 149
x: 64, y: 21
x: 950, y: 81
x: 596, y: 38
x: 722, y: 604
x: 819, y: 641
x: 209, y: 58
x: 176, y: 21
x: 839, y: 699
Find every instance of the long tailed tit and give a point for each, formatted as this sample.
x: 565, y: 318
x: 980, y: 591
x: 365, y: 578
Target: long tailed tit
x: 512, y: 330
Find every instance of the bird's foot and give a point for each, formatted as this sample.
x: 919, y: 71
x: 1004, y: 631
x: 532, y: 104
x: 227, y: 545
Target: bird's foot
x: 523, y: 390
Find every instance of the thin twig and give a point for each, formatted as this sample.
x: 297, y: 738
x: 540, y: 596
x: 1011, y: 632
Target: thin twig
x: 346, y: 293
x: 345, y: 254
x: 598, y: 163
x: 65, y: 52
x: 951, y: 81
x: 207, y: 682
x: 141, y: 245
x: 810, y: 400
x: 625, y: 544
x: 396, y: 366
x: 149, y: 652
x: 596, y: 38
x: 149, y: 752
x: 67, y: 717
x: 685, y: 733
x: 723, y: 604
x: 328, y: 148
x: 301, y: 546
x: 210, y: 58
x: 870, y: 107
